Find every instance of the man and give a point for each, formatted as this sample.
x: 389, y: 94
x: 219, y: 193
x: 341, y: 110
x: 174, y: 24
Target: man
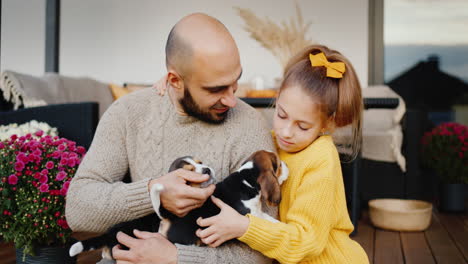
x: 142, y: 133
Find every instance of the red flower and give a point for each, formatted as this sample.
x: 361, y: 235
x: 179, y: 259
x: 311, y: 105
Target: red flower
x: 64, y: 161
x: 44, y: 188
x: 62, y: 223
x: 22, y: 157
x: 66, y: 184
x: 44, y: 179
x: 39, y: 133
x: 37, y: 175
x: 61, y: 175
x: 72, y: 162
x: 56, y: 154
x: 12, y: 179
x: 81, y: 150
x: 63, y: 191
x: 19, y: 166
x: 49, y: 165
x: 37, y: 152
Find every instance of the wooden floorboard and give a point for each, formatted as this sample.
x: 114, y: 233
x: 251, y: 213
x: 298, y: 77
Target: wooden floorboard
x: 415, y: 248
x: 366, y: 237
x: 387, y: 247
x: 442, y: 246
x: 7, y: 253
x: 457, y: 230
x: 464, y: 219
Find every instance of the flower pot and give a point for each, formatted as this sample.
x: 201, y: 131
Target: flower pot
x: 452, y: 197
x: 52, y: 255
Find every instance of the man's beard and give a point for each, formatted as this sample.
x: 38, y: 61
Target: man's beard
x: 193, y: 109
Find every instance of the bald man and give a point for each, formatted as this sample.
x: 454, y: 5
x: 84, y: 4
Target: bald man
x: 142, y: 133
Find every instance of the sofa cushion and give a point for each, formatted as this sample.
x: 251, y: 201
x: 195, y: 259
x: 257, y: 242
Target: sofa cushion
x: 25, y: 90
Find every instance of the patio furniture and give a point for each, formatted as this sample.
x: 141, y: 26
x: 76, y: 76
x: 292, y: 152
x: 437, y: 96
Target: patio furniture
x: 74, y: 121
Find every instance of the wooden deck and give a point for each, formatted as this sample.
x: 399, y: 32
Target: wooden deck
x: 444, y: 242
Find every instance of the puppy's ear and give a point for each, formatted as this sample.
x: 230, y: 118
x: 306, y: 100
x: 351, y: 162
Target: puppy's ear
x: 267, y: 165
x: 179, y: 163
x: 270, y: 188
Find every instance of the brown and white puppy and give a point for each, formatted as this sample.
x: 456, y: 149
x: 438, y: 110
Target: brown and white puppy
x: 186, y: 163
x: 259, y: 178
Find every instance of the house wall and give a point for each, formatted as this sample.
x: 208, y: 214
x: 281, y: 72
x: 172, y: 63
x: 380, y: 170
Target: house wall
x: 23, y: 36
x: 123, y: 41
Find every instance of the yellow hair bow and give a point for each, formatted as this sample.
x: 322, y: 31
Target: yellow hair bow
x: 334, y: 69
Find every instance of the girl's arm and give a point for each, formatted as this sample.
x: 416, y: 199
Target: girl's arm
x: 306, y: 228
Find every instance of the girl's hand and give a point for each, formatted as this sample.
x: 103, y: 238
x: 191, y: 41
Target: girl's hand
x: 161, y: 85
x: 226, y: 225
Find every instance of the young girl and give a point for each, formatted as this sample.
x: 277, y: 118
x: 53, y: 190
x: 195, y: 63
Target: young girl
x: 320, y: 92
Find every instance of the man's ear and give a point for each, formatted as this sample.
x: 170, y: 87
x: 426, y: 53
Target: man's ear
x: 175, y: 81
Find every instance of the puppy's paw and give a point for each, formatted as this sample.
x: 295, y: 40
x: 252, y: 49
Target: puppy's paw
x: 75, y: 249
x: 284, y: 173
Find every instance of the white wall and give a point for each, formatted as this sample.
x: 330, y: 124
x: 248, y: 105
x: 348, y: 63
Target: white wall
x: 23, y: 36
x: 123, y: 41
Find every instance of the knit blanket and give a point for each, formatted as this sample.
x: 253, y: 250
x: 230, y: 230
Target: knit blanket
x: 24, y: 90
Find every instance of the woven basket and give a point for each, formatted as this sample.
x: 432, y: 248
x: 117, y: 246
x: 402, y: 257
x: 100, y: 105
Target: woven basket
x: 400, y: 215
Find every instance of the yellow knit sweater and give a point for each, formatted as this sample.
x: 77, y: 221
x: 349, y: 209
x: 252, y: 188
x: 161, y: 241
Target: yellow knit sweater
x: 315, y: 224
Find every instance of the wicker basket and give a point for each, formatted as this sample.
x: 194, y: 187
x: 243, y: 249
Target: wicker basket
x: 400, y: 215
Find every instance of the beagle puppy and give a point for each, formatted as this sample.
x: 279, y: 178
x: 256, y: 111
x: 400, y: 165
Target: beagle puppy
x: 257, y: 180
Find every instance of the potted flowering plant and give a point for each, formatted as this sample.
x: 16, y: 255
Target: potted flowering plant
x: 445, y: 151
x: 35, y: 173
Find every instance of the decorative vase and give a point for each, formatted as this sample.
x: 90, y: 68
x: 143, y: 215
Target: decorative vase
x: 52, y: 255
x: 452, y: 197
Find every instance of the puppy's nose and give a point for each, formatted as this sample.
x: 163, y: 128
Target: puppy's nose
x: 211, y: 179
x: 206, y: 171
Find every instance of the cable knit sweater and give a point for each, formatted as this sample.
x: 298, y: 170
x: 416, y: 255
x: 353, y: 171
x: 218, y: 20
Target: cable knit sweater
x: 141, y: 133
x: 315, y: 224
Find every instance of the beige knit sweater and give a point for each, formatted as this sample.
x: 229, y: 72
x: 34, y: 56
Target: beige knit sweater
x: 141, y: 133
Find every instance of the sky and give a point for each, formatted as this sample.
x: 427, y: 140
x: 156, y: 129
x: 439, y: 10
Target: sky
x: 415, y: 29
x: 437, y: 22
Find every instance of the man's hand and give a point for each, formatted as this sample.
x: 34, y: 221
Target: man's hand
x: 147, y: 248
x: 180, y: 198
x: 226, y: 225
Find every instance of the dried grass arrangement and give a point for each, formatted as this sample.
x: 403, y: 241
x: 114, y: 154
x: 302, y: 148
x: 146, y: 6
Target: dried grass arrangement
x: 283, y: 40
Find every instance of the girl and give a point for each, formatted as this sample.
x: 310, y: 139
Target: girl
x: 320, y: 92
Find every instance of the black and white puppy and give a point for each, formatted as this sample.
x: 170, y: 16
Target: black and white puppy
x: 259, y: 178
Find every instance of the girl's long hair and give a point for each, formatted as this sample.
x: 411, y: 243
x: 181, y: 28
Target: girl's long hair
x: 339, y: 99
